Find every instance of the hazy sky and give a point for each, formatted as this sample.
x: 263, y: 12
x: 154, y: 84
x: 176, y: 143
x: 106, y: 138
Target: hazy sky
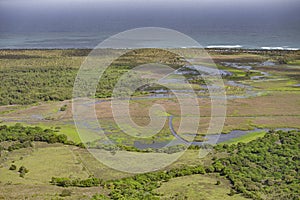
x: 118, y: 15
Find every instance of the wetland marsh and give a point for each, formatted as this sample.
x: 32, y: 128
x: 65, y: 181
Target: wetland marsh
x: 262, y: 96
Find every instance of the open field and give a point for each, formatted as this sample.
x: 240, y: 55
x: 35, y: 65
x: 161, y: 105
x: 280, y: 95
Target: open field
x: 43, y: 162
x: 59, y: 159
x: 197, y: 187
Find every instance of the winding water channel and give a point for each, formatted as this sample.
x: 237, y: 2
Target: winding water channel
x: 209, y: 139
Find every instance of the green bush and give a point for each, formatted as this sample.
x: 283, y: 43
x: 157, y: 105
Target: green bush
x: 63, y: 108
x: 13, y: 167
x: 67, y: 182
x: 22, y: 170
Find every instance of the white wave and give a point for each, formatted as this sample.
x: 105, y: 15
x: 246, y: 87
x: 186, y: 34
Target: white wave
x: 224, y: 46
x: 280, y: 48
x: 191, y: 47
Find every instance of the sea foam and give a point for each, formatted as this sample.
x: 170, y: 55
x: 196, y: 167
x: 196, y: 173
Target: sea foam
x: 280, y: 48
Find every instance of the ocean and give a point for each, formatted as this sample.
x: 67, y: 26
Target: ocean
x: 257, y: 26
x: 267, y: 38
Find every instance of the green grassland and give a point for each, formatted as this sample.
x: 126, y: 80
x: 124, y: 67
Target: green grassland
x: 197, y: 187
x: 43, y: 162
x: 246, y: 138
x: 55, y: 160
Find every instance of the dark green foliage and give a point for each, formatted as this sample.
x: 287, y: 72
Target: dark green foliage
x: 67, y: 182
x: 22, y: 170
x: 23, y: 136
x: 63, y: 108
x: 210, y: 169
x: 28, y: 85
x: 141, y: 186
x: 194, y: 147
x: 268, y: 166
x: 13, y: 167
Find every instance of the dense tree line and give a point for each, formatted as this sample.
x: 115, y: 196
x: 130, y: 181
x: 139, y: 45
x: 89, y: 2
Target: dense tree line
x: 67, y: 182
x: 22, y: 136
x: 29, y: 85
x: 267, y: 168
x: 119, y: 147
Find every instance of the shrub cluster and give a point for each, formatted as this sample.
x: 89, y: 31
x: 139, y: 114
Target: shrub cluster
x: 23, y: 136
x: 67, y: 182
x: 267, y: 167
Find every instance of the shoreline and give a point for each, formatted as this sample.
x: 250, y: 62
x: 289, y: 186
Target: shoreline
x: 228, y: 50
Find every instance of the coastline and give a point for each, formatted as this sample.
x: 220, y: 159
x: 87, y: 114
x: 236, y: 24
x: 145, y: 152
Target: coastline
x: 228, y: 50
